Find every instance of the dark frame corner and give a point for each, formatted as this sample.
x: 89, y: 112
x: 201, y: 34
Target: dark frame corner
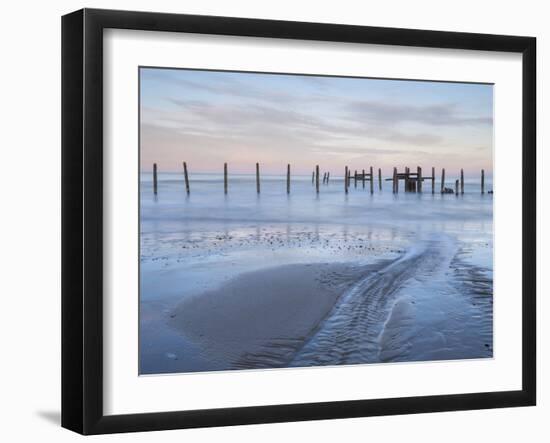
x: 82, y: 132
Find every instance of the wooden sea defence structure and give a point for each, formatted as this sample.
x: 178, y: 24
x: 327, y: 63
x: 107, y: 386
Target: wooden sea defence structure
x: 257, y: 178
x: 288, y: 178
x: 317, y: 179
x: 186, y: 176
x: 412, y: 181
x: 365, y: 177
x: 155, y: 186
x: 225, y: 178
x: 346, y: 180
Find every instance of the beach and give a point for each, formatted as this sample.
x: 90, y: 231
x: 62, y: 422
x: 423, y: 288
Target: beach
x: 246, y: 281
x: 262, y: 318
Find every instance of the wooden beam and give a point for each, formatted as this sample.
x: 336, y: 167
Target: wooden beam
x: 288, y: 178
x: 155, y: 188
x: 258, y: 178
x: 317, y: 179
x: 225, y: 178
x: 346, y: 180
x: 371, y: 181
x: 186, y: 176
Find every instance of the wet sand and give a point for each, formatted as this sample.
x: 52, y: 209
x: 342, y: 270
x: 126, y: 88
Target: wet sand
x: 262, y: 318
x: 426, y: 304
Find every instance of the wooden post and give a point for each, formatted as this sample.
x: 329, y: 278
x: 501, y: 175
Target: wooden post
x: 349, y: 178
x: 456, y: 187
x: 371, y: 181
x: 288, y: 178
x: 317, y: 179
x: 346, y: 180
x: 407, y: 179
x: 363, y: 179
x: 313, y: 177
x: 186, y: 177
x: 155, y: 178
x: 462, y: 181
x: 225, y: 178
x: 324, y: 177
x: 442, y: 180
x: 483, y: 181
x: 258, y: 178
x: 433, y: 180
x: 419, y: 178
x: 328, y: 176
x: 379, y: 179
x: 355, y: 178
x: 395, y: 182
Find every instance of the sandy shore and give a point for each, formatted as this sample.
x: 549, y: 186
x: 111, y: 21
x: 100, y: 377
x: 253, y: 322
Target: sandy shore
x: 260, y: 319
x: 427, y: 304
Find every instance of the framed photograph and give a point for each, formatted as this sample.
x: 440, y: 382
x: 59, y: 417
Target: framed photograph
x: 269, y: 221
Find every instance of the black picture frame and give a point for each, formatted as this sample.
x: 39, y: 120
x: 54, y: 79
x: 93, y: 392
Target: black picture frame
x: 82, y: 218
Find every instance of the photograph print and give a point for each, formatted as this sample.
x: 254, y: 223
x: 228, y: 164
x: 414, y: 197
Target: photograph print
x: 294, y: 221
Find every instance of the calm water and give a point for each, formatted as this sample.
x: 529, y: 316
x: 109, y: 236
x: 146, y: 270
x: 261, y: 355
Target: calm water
x: 439, y: 244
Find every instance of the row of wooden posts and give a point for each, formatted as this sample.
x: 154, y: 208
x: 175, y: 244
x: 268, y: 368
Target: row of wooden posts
x: 413, y: 181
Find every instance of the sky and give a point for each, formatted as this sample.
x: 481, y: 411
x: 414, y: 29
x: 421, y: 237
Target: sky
x: 207, y: 118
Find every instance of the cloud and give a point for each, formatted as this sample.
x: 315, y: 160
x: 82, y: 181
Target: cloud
x: 224, y: 86
x: 309, y: 120
x: 261, y: 121
x: 395, y: 114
